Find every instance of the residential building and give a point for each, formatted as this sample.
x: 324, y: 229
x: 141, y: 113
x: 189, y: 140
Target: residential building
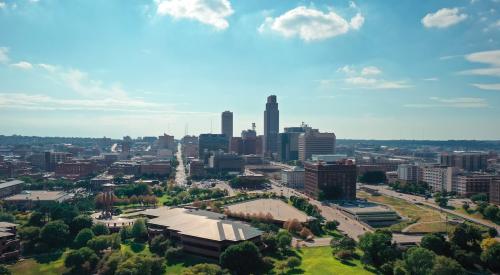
x: 75, y: 169
x: 473, y: 183
x: 313, y: 142
x: 468, y: 161
x: 440, y: 178
x: 293, y: 178
x: 495, y: 191
x: 409, y: 173
x: 330, y: 180
x: 227, y: 124
x: 271, y: 126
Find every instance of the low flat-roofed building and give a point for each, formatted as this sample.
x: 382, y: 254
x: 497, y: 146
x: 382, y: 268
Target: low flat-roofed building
x: 29, y: 199
x: 198, y: 231
x: 293, y: 178
x: 100, y: 180
x: 371, y: 213
x: 160, y: 168
x: 10, y: 188
x: 9, y: 243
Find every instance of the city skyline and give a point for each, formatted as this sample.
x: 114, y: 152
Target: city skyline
x: 372, y: 71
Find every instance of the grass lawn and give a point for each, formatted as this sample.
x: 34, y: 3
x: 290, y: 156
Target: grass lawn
x: 320, y: 261
x: 37, y: 266
x: 424, y: 218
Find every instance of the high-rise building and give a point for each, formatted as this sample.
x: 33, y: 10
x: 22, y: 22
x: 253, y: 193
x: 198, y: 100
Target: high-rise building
x: 271, y: 126
x: 190, y: 146
x: 468, y: 161
x: 212, y: 143
x: 330, y: 181
x: 166, y: 142
x: 227, y: 124
x: 440, y: 178
x: 409, y: 173
x: 312, y: 142
x: 288, y: 143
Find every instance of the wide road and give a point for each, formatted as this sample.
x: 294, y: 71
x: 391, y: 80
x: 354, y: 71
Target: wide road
x: 412, y: 198
x: 180, y: 173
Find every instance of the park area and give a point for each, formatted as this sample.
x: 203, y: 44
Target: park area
x: 417, y: 218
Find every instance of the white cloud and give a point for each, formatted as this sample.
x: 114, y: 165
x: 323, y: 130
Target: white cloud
x: 491, y: 87
x: 431, y: 79
x: 4, y: 57
x: 370, y: 70
x: 352, y: 5
x: 458, y: 102
x: 443, y: 18
x: 491, y: 58
x: 366, y: 78
x: 310, y: 24
x: 2, y: 5
x: 23, y: 65
x: 210, y: 12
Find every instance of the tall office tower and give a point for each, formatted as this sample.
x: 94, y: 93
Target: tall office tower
x: 271, y: 126
x: 249, y: 140
x: 288, y: 142
x: 227, y: 124
x: 312, y: 142
x: 208, y: 143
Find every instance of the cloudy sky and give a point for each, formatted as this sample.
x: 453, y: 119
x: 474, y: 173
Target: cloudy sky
x: 363, y: 69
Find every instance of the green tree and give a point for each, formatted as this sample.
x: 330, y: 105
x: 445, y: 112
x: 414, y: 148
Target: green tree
x: 83, y: 237
x: 436, y: 243
x: 284, y: 240
x: 29, y: 235
x: 441, y: 199
x: 4, y: 270
x: 81, y: 261
x: 466, y: 236
x: 242, y: 259
x: 271, y: 241
x: 140, y: 231
x: 377, y: 248
x: 490, y: 212
x: 419, y: 261
x: 159, y: 245
x: 203, y: 269
x: 80, y: 222
x: 492, y: 232
x: 100, y: 229
x: 491, y: 257
x: 447, y: 266
x: 293, y: 262
x: 344, y: 243
x: 55, y: 233
x: 140, y: 264
x: 99, y: 243
x: 36, y: 219
x: 331, y: 225
x: 481, y: 197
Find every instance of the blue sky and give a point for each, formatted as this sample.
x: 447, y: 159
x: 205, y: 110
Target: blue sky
x: 384, y: 69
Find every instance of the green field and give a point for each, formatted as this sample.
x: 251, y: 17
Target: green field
x: 320, y: 261
x: 420, y: 218
x: 37, y: 266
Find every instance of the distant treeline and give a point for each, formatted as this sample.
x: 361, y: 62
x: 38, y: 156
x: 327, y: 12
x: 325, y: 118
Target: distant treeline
x: 466, y: 145
x: 34, y: 140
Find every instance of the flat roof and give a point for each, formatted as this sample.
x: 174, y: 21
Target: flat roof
x: 10, y: 183
x: 201, y: 224
x: 7, y: 224
x: 39, y: 195
x: 366, y: 207
x: 280, y: 210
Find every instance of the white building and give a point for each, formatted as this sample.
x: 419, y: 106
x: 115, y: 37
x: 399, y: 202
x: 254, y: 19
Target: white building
x: 409, y: 173
x: 440, y: 178
x: 293, y: 178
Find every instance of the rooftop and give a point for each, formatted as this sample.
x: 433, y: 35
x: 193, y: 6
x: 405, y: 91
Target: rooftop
x: 40, y: 195
x: 280, y: 210
x: 201, y: 224
x: 10, y: 183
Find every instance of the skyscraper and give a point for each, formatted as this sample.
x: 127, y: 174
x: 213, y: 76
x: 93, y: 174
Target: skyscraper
x: 227, y: 124
x: 271, y: 126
